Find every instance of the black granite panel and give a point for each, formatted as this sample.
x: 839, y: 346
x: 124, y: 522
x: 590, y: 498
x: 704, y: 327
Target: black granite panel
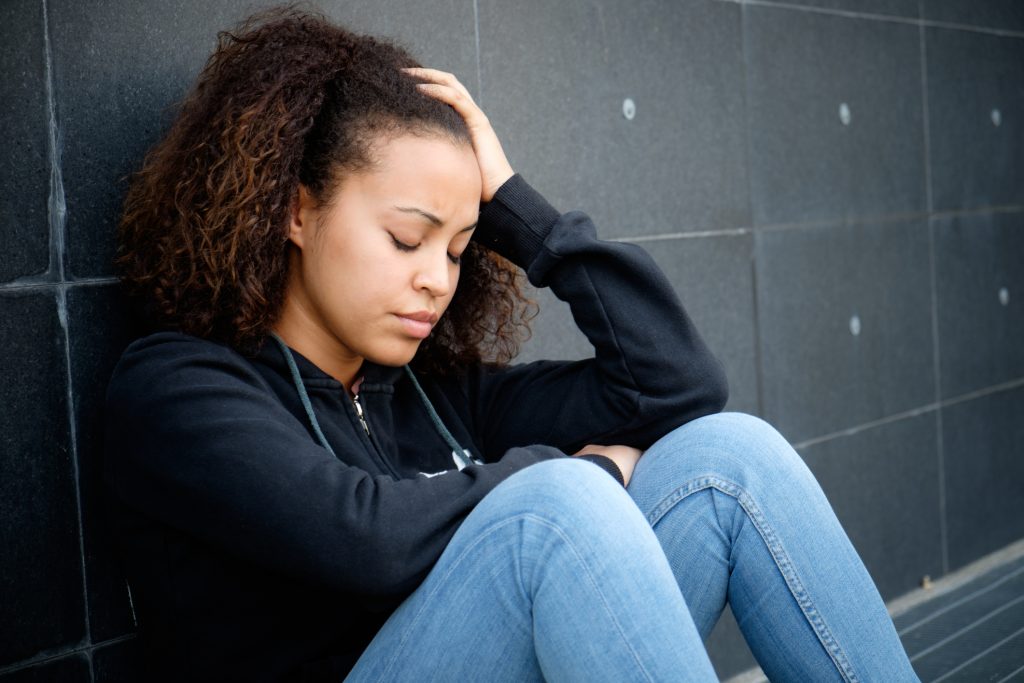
x: 883, y: 484
x: 983, y: 451
x: 24, y: 165
x: 40, y: 564
x: 727, y: 649
x: 70, y: 669
x: 118, y: 662
x: 979, y: 276
x: 836, y: 118
x: 975, y: 118
x: 554, y: 335
x: 556, y: 77
x: 99, y: 331
x: 120, y: 67
x: 1007, y: 15
x: 899, y: 8
x: 846, y: 325
x: 713, y: 278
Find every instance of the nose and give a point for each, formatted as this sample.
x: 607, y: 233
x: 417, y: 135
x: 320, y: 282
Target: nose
x: 434, y: 274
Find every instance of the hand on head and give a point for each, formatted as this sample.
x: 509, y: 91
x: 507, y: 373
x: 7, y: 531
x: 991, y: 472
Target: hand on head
x: 494, y: 166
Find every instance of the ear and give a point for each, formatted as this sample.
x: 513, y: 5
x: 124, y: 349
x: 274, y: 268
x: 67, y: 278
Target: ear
x: 303, y: 218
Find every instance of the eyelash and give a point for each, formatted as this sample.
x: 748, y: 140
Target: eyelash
x: 402, y: 246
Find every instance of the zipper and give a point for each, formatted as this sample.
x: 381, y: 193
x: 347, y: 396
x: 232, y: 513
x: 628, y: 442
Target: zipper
x: 359, y: 413
x: 370, y: 443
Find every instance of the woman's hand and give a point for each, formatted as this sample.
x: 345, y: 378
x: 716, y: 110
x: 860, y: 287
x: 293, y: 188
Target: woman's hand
x: 623, y: 456
x: 494, y: 166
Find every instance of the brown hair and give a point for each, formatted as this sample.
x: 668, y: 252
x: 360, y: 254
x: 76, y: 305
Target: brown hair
x: 287, y: 98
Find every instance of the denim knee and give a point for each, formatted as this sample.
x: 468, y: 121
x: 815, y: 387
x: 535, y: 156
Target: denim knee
x: 568, y: 492
x: 736, y: 448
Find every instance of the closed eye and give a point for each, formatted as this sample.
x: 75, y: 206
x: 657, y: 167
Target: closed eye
x: 402, y: 246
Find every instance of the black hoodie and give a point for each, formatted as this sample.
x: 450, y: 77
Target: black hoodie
x: 255, y: 554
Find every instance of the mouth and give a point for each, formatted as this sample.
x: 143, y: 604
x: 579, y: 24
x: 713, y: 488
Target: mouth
x: 418, y: 324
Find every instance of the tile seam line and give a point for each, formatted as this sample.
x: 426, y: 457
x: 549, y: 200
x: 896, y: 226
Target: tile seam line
x: 748, y: 152
x: 39, y: 660
x: 84, y: 282
x: 913, y: 412
x: 966, y: 629
x: 1012, y: 674
x: 981, y: 654
x: 57, y: 214
x: 479, y: 71
x: 940, y: 454
x: 879, y: 219
x: 889, y: 18
x: 960, y: 601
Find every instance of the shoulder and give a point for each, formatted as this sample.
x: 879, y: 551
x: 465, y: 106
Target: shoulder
x: 161, y: 362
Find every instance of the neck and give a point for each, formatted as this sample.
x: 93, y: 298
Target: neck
x: 300, y: 328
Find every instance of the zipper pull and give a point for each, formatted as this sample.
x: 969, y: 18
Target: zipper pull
x: 359, y: 412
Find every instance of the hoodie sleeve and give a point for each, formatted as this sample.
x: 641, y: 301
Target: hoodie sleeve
x: 650, y: 373
x: 197, y: 441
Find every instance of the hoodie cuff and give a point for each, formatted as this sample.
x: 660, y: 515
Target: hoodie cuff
x: 516, y: 222
x: 606, y: 464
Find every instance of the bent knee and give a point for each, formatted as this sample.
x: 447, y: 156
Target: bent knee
x: 734, y: 446
x: 563, y: 487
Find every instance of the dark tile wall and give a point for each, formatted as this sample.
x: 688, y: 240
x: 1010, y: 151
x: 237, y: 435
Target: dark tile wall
x: 835, y: 188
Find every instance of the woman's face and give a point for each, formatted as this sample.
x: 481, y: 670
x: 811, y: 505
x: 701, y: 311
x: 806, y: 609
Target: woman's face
x: 377, y: 265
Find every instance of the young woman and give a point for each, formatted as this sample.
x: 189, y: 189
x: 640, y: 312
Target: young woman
x: 323, y: 466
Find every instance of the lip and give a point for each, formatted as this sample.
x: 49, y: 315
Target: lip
x: 418, y: 324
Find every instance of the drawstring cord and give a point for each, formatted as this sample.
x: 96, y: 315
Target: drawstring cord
x: 457, y: 450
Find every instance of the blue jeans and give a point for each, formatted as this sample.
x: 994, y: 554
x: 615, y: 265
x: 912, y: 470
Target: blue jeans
x: 561, y: 575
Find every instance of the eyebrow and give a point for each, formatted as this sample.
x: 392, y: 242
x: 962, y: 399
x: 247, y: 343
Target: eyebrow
x: 434, y: 220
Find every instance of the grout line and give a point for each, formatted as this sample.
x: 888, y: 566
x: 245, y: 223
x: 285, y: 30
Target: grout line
x: 33, y: 283
x: 57, y: 216
x: 479, y: 76
x: 891, y: 18
x: 726, y: 232
x: 850, y: 431
x: 754, y: 280
x: 979, y: 655
x: 1012, y: 674
x: 970, y: 627
x: 879, y: 219
x: 914, y: 412
x: 956, y: 603
x: 41, y: 660
x: 940, y: 451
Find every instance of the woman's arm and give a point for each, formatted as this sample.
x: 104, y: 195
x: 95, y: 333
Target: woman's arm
x: 197, y: 440
x: 651, y: 371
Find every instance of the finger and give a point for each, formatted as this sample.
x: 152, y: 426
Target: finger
x: 459, y: 100
x: 438, y: 76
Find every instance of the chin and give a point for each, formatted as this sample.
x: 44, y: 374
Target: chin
x: 396, y: 355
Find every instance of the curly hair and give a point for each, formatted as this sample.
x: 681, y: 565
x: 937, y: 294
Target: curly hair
x: 288, y: 98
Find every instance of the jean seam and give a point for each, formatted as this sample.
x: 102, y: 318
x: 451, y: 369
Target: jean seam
x: 778, y: 553
x: 484, y: 534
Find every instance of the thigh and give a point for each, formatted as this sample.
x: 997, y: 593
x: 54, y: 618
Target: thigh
x: 554, y: 575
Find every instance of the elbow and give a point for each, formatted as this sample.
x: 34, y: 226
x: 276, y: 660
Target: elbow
x: 717, y: 388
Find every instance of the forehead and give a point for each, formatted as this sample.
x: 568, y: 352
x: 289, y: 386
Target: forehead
x: 433, y: 173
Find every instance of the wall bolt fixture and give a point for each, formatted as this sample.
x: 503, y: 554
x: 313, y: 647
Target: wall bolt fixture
x: 628, y: 108
x: 997, y: 117
x: 844, y: 114
x: 1004, y: 296
x: 855, y: 325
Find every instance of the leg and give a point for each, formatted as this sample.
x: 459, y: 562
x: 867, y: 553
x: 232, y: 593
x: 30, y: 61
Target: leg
x: 554, y: 575
x: 742, y: 518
